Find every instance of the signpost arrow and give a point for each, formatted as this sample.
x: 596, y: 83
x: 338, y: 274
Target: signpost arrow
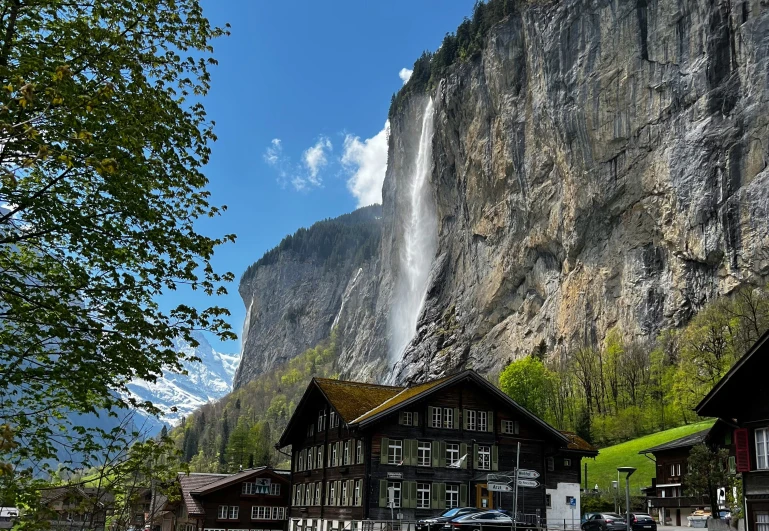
x: 528, y: 483
x: 527, y: 474
x: 499, y: 487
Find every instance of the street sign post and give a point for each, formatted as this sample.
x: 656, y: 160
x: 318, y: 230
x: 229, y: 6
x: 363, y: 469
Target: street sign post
x: 573, y: 504
x: 499, y: 487
x: 527, y: 474
x: 528, y: 483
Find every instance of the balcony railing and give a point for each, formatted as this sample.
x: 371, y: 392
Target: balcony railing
x: 679, y: 501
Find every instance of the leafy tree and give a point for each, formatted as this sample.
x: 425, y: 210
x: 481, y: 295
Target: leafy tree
x: 528, y: 382
x: 707, y: 472
x: 104, y: 139
x: 238, y: 445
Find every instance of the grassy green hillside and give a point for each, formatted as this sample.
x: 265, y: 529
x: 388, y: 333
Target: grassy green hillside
x: 604, y: 469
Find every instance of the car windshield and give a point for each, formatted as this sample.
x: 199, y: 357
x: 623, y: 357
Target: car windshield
x: 451, y: 512
x: 613, y: 515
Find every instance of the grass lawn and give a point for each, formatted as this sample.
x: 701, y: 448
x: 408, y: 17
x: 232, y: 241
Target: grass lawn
x: 603, y: 470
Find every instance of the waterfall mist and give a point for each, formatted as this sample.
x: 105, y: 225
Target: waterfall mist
x: 419, y: 243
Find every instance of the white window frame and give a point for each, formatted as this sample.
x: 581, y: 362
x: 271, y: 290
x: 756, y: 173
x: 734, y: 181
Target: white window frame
x: 321, y: 420
x: 319, y: 457
x: 436, y: 420
x: 356, y: 494
x: 452, y: 496
x: 318, y: 492
x: 274, y: 489
x: 762, y: 520
x: 224, y: 510
x: 471, y: 422
x: 274, y: 515
x: 395, y: 452
x: 408, y: 418
x: 510, y: 427
x: 309, y: 493
x: 424, y: 453
x: 344, y: 494
x: 334, y: 457
x: 310, y: 459
x: 448, y: 418
x: 396, y: 495
x: 484, y: 457
x: 452, y: 454
x: 483, y: 421
x: 346, y: 453
x: 332, y: 419
x: 331, y: 492
x: 254, y: 512
x: 762, y: 448
x: 234, y: 512
x: 423, y: 495
x: 358, y: 452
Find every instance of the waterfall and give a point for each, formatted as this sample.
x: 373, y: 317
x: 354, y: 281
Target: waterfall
x: 419, y: 244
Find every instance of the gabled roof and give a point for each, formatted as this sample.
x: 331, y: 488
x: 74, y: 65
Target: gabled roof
x: 193, y: 482
x: 232, y: 479
x: 578, y: 444
x: 751, y: 365
x: 395, y: 401
x: 353, y: 399
x: 683, y: 442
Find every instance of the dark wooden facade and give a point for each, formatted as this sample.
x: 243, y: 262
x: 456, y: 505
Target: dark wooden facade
x: 740, y: 399
x: 401, y: 446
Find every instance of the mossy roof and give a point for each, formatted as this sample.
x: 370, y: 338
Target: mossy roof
x: 353, y: 399
x: 402, y: 396
x: 579, y: 444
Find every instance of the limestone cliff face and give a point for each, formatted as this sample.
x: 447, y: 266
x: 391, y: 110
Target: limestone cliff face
x: 602, y: 163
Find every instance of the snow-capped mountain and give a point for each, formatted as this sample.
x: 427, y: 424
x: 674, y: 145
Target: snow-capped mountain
x: 205, y: 381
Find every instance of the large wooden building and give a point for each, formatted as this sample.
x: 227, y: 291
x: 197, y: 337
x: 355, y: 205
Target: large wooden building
x: 741, y: 400
x: 431, y: 445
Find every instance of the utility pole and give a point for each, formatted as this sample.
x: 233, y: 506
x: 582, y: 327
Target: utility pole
x: 515, y: 494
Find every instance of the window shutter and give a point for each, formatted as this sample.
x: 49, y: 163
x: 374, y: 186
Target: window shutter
x: 339, y: 456
x: 442, y: 453
x: 384, y: 450
x: 416, y: 418
x: 732, y: 465
x: 441, y: 488
x: 455, y: 421
x: 742, y: 447
x: 465, y: 416
x: 475, y: 455
x: 338, y: 493
x: 400, y: 417
x: 405, y: 452
x: 436, y: 451
x: 350, y: 492
x: 383, y: 493
x: 430, y: 416
x: 463, y: 453
x: 412, y: 494
x: 434, y: 496
x: 405, y: 495
x: 463, y: 495
x: 494, y: 458
x: 490, y: 423
x: 414, y: 453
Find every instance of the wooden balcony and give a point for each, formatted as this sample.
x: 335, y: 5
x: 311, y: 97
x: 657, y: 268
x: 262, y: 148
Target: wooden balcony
x: 679, y: 501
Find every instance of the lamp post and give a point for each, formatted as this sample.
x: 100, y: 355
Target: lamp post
x: 629, y: 471
x: 614, y: 489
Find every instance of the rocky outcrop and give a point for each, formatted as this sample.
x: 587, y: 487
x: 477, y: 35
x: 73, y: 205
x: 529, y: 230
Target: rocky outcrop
x: 600, y: 164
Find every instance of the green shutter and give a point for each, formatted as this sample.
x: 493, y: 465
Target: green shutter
x: 384, y: 451
x: 465, y: 416
x: 463, y: 495
x: 490, y: 425
x: 413, y: 445
x: 462, y: 453
x: 383, y: 493
x: 434, y: 492
x: 405, y: 502
x: 412, y: 488
x: 441, y: 488
x: 442, y: 454
x: 494, y: 458
x: 405, y: 452
x: 416, y: 418
x: 475, y: 455
x: 436, y: 451
x: 456, y: 418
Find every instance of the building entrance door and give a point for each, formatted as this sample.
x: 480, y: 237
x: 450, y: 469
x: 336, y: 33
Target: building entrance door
x: 483, y: 498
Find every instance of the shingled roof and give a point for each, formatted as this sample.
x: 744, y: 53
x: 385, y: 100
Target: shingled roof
x: 235, y: 478
x: 683, y: 442
x: 578, y: 444
x: 353, y: 399
x: 399, y: 398
x: 193, y: 483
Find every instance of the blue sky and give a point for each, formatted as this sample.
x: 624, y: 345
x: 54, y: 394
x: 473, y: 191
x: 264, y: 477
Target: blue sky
x: 318, y: 77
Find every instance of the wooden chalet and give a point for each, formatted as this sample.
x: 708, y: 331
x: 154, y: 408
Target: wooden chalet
x: 76, y: 507
x: 741, y: 401
x: 433, y: 445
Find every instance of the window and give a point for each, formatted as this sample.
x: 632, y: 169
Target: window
x: 436, y: 417
x: 452, y: 455
x: 423, y: 453
x: 548, y: 501
x: 482, y: 421
x: 396, y: 490
x: 234, y: 510
x: 566, y: 462
x: 732, y: 464
x: 333, y: 455
x: 309, y: 459
x: 484, y: 457
x: 310, y: 430
x: 762, y: 520
x: 321, y: 420
x: 762, y: 449
x: 281, y: 513
x: 423, y: 495
x: 274, y: 489
x: 510, y: 427
x: 452, y: 496
x: 550, y: 464
x: 346, y: 453
x: 448, y: 417
x: 344, y: 493
x: 319, y: 457
x: 675, y: 470
x: 223, y: 512
x: 275, y: 513
x: 395, y: 452
x: 471, y: 420
x: 318, y: 492
x: 408, y: 418
x: 334, y: 420
x: 331, y: 493
x: 254, y: 509
x: 358, y: 452
x: 309, y: 493
x: 356, y: 495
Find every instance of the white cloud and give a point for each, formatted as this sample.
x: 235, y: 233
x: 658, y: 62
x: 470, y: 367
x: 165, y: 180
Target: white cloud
x: 274, y: 152
x: 367, y: 162
x: 405, y: 74
x: 315, y: 159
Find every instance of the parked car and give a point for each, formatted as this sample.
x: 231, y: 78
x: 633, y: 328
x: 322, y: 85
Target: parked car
x: 642, y: 522
x: 479, y: 521
x: 605, y: 522
x: 436, y: 523
x: 586, y: 517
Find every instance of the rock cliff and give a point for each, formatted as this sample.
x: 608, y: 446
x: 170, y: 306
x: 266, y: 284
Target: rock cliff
x: 600, y: 163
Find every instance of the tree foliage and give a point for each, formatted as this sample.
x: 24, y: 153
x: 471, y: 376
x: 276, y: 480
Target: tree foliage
x: 103, y: 141
x: 529, y: 383
x: 707, y: 472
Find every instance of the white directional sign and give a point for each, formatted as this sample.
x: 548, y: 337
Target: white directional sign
x: 499, y: 487
x: 527, y: 474
x: 528, y: 483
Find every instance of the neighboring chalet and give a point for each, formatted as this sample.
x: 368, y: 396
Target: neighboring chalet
x: 256, y: 499
x: 741, y: 400
x: 667, y: 497
x: 76, y: 507
x: 432, y: 445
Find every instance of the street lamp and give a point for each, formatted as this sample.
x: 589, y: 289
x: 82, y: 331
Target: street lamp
x: 629, y: 471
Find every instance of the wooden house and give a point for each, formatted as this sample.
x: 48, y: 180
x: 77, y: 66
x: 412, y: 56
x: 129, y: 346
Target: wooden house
x: 365, y: 452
